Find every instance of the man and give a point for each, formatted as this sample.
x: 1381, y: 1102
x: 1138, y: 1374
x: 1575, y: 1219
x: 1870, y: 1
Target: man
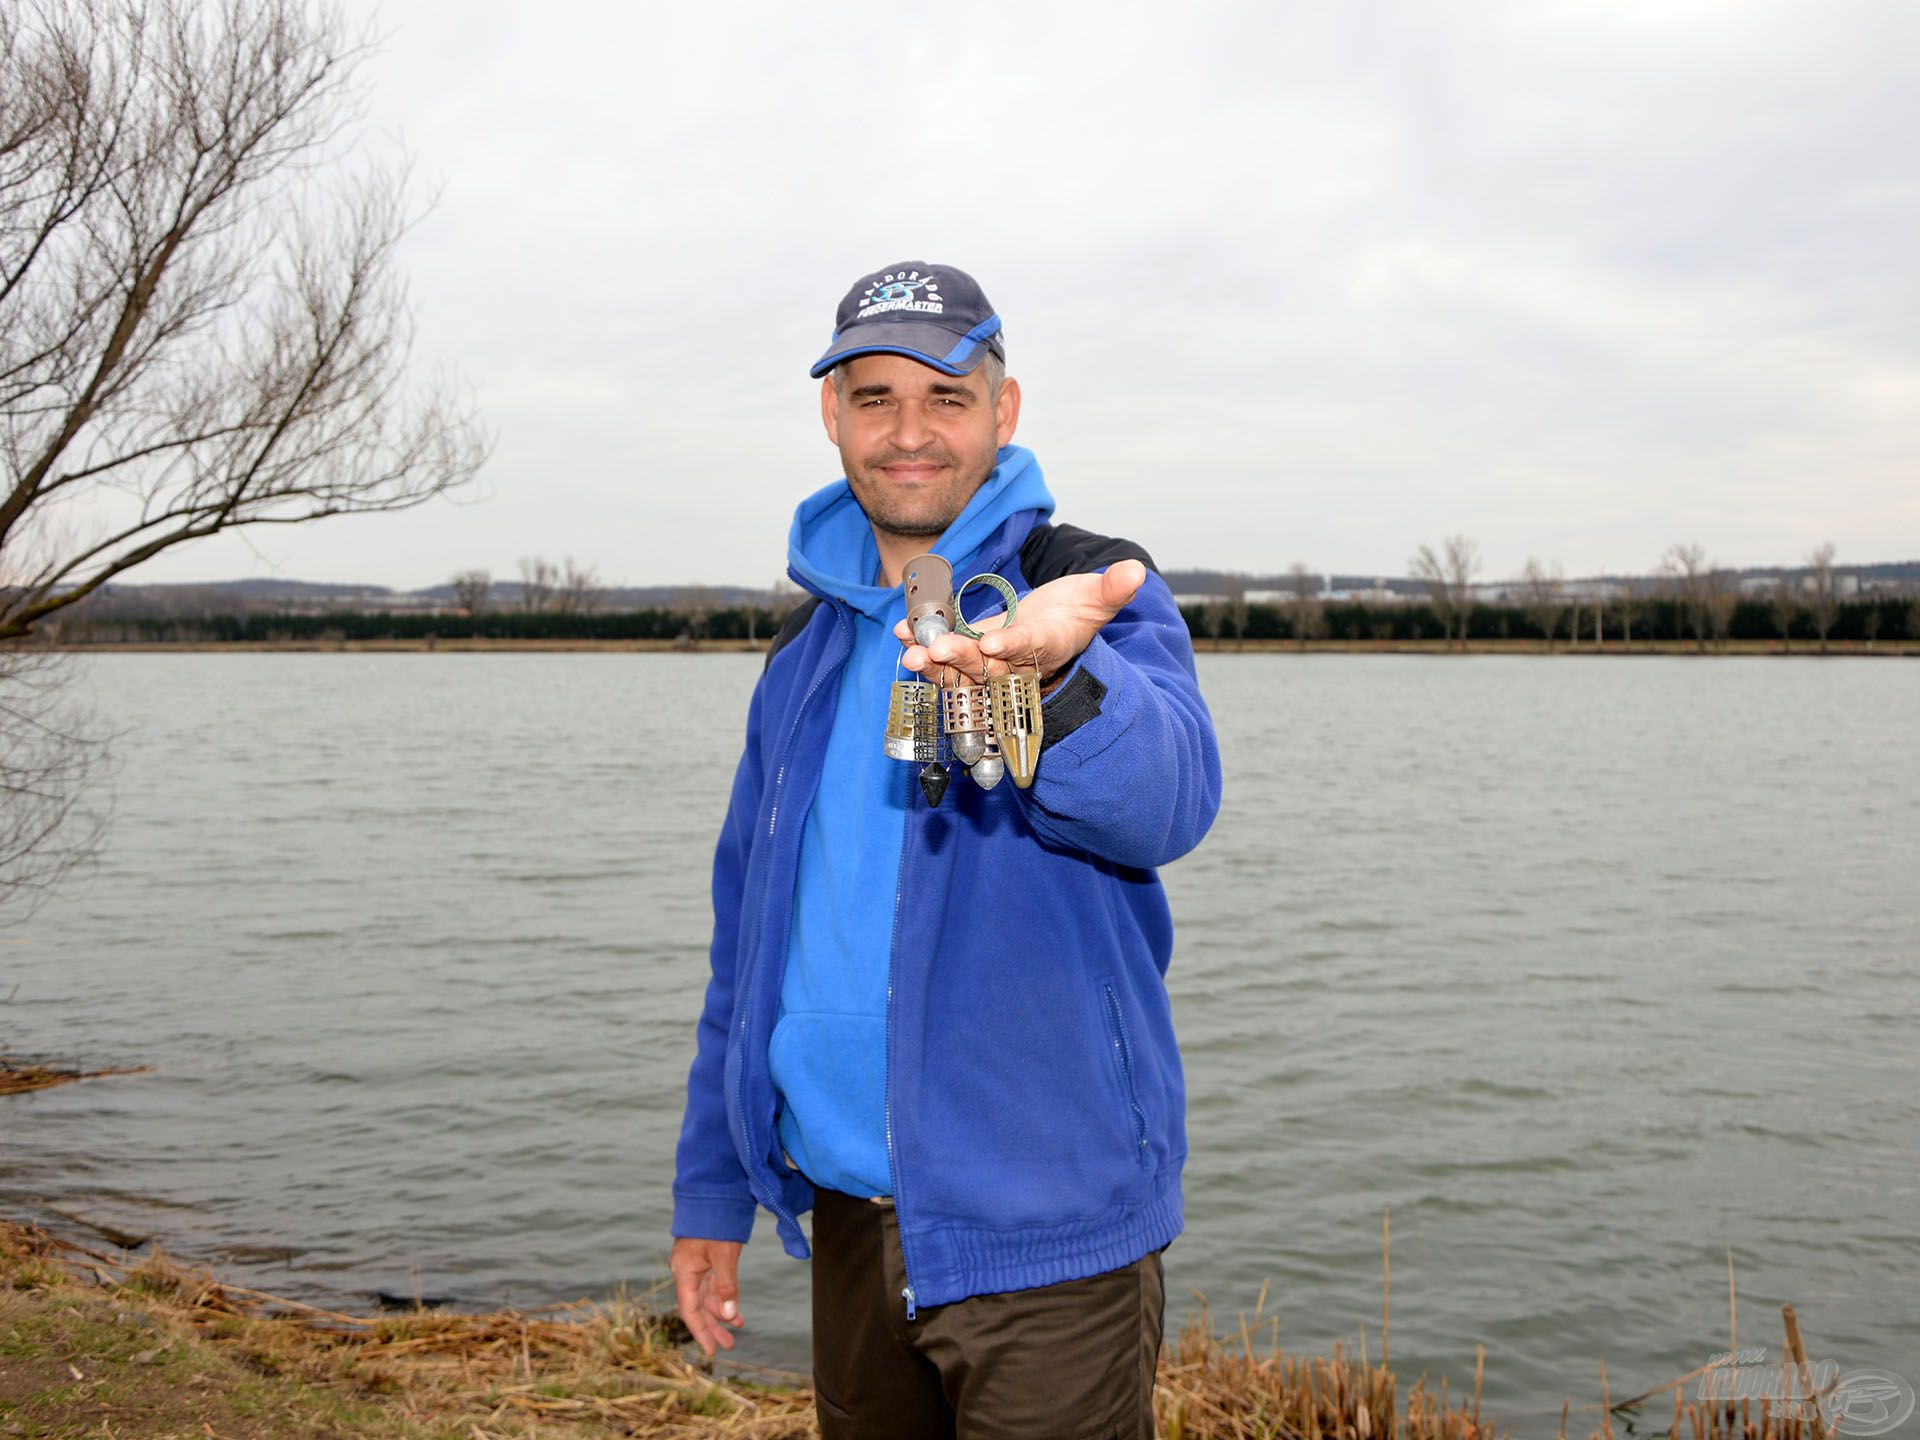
x: 946, y: 1030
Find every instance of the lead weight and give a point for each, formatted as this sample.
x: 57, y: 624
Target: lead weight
x: 966, y: 715
x: 933, y: 783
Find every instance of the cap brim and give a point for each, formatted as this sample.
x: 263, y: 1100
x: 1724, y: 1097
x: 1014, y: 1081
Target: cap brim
x: 945, y: 351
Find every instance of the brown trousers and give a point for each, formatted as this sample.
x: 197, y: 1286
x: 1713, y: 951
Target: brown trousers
x: 1072, y: 1361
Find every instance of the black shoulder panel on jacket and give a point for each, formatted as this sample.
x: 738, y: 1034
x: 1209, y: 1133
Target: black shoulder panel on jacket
x: 1050, y: 551
x: 795, y: 622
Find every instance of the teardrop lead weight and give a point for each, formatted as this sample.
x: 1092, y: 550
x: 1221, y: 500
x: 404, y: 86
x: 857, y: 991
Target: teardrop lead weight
x: 933, y: 782
x: 987, y: 771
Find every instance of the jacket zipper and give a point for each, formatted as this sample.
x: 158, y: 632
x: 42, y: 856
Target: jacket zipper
x: 780, y: 1211
x: 893, y: 946
x: 893, y: 1170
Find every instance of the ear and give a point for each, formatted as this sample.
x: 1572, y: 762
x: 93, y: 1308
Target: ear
x: 830, y: 408
x: 1006, y: 411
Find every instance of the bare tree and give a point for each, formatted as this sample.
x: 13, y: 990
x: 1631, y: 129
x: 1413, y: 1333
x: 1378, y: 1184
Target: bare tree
x: 1823, y: 601
x: 538, y: 578
x: 1213, y: 618
x: 201, y: 327
x: 1236, y: 602
x: 695, y: 605
x: 781, y: 597
x: 1783, y: 606
x: 1306, y: 613
x: 1540, y: 585
x: 1627, y: 606
x: 1688, y: 572
x: 470, y: 590
x: 578, y: 591
x: 53, y: 755
x: 1448, y: 577
x: 1722, y: 597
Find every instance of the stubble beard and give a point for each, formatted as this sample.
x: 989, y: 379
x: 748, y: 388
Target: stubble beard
x: 915, y: 520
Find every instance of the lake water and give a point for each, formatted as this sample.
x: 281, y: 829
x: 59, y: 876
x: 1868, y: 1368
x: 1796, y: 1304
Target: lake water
x: 1589, y: 970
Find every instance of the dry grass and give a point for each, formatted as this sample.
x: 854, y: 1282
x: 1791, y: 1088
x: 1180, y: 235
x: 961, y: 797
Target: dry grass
x: 1210, y: 1388
x: 570, y: 1370
x: 621, y: 1368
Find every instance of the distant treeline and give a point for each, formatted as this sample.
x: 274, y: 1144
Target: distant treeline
x: 1888, y: 618
x: 1663, y: 619
x: 266, y: 628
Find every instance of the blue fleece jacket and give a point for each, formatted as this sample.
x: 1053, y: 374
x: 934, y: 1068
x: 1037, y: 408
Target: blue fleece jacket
x: 828, y: 1051
x: 1033, y: 1102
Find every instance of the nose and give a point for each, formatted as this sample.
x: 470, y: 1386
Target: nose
x: 911, y: 431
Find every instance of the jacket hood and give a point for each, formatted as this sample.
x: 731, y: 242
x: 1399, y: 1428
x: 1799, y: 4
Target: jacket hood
x: 830, y: 547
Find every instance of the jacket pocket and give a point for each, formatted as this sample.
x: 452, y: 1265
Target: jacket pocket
x: 1123, y: 1056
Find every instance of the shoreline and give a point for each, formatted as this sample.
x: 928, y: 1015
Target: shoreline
x: 147, y: 1348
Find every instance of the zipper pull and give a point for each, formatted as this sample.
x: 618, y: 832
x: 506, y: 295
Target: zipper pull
x: 908, y: 1295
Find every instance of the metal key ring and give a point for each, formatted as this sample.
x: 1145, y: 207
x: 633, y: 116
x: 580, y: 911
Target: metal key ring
x: 960, y: 624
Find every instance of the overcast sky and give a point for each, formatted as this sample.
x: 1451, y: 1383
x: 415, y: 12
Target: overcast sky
x: 1315, y: 281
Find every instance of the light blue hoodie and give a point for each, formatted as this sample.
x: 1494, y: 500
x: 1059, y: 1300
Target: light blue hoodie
x: 828, y: 1053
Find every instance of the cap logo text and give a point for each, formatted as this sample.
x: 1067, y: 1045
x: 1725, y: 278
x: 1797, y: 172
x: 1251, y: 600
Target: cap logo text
x: 909, y: 290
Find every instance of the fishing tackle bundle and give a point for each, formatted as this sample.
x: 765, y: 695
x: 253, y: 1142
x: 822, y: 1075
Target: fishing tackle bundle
x: 990, y: 730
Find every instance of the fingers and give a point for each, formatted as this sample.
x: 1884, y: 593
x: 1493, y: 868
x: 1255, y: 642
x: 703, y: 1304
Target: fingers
x: 1120, y: 583
x: 948, y: 653
x: 706, y: 1285
x: 1016, y: 647
x: 726, y: 1289
x: 686, y: 1290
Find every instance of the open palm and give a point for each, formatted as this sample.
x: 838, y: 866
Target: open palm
x: 1054, y: 623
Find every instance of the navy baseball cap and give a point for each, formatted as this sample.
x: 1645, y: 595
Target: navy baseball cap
x: 933, y: 313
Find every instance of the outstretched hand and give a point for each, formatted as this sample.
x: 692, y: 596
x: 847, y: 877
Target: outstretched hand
x: 706, y: 1282
x: 1055, y: 622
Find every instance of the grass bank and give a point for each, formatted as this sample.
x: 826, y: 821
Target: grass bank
x: 106, y: 1345
x: 93, y: 1344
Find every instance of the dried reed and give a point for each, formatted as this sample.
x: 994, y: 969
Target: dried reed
x: 18, y: 1079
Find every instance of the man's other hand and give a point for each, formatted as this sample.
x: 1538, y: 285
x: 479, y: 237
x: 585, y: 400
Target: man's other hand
x: 1054, y: 623
x: 706, y: 1278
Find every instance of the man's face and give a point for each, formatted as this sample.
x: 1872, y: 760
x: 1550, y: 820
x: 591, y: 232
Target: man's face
x: 916, y: 443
